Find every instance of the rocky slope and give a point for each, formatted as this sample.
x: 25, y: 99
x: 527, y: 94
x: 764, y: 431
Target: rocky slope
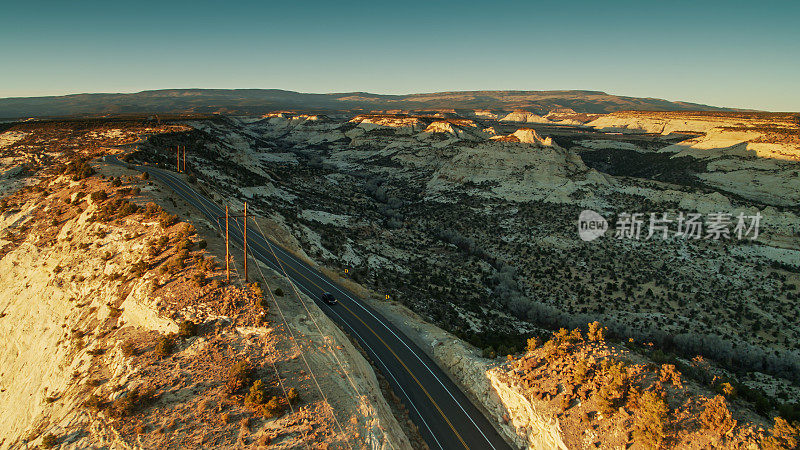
x: 119, y: 330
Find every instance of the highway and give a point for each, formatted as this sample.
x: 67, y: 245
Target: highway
x: 444, y: 415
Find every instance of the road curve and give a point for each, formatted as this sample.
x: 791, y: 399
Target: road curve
x: 444, y: 415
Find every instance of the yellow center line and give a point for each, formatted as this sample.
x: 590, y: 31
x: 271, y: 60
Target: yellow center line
x: 387, y: 346
x: 260, y: 247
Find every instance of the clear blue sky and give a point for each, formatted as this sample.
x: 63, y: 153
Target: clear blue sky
x: 725, y: 53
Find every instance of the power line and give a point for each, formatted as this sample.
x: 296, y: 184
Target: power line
x: 308, y: 366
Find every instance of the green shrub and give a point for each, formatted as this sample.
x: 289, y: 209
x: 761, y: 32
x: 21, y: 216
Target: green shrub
x: 279, y: 292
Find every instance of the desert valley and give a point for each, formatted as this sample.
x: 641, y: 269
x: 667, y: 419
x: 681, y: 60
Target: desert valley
x: 458, y: 225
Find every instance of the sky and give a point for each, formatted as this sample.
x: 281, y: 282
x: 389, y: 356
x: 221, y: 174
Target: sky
x: 721, y: 53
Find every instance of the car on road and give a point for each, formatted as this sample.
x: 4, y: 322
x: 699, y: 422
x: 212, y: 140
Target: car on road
x: 328, y: 298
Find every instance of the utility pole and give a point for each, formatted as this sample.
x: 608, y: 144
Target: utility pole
x: 184, y: 158
x: 245, y: 242
x: 227, y: 252
x: 178, y: 155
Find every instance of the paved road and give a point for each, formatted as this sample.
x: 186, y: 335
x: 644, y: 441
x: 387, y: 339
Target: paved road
x: 442, y: 412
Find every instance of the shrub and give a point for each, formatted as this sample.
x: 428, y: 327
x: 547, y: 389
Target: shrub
x: 49, y: 440
x: 257, y: 291
x: 166, y: 219
x: 783, y: 436
x: 727, y: 390
x: 605, y: 401
x: 238, y: 376
x: 293, y: 395
x: 272, y: 408
x: 715, y: 416
x: 79, y: 170
x: 188, y: 230
x: 202, y: 244
x: 187, y: 328
x: 789, y: 411
x: 256, y: 396
x: 534, y: 343
x: 581, y: 371
x: 144, y: 176
x: 93, y: 402
x: 98, y: 196
x: 649, y: 426
x: 279, y: 292
x: 128, y: 348
x: 668, y: 374
x: 151, y: 209
x: 614, y: 387
x: 164, y: 346
x: 139, y: 268
x: 596, y: 332
x: 128, y: 404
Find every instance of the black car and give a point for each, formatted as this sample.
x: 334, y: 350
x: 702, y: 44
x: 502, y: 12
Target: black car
x: 329, y: 298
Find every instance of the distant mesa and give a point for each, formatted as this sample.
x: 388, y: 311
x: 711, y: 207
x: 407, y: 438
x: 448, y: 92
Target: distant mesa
x: 489, y: 105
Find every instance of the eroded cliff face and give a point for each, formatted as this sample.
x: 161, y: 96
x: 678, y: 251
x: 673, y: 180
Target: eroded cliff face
x: 117, y: 330
x: 520, y: 419
x: 536, y: 429
x: 752, y: 155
